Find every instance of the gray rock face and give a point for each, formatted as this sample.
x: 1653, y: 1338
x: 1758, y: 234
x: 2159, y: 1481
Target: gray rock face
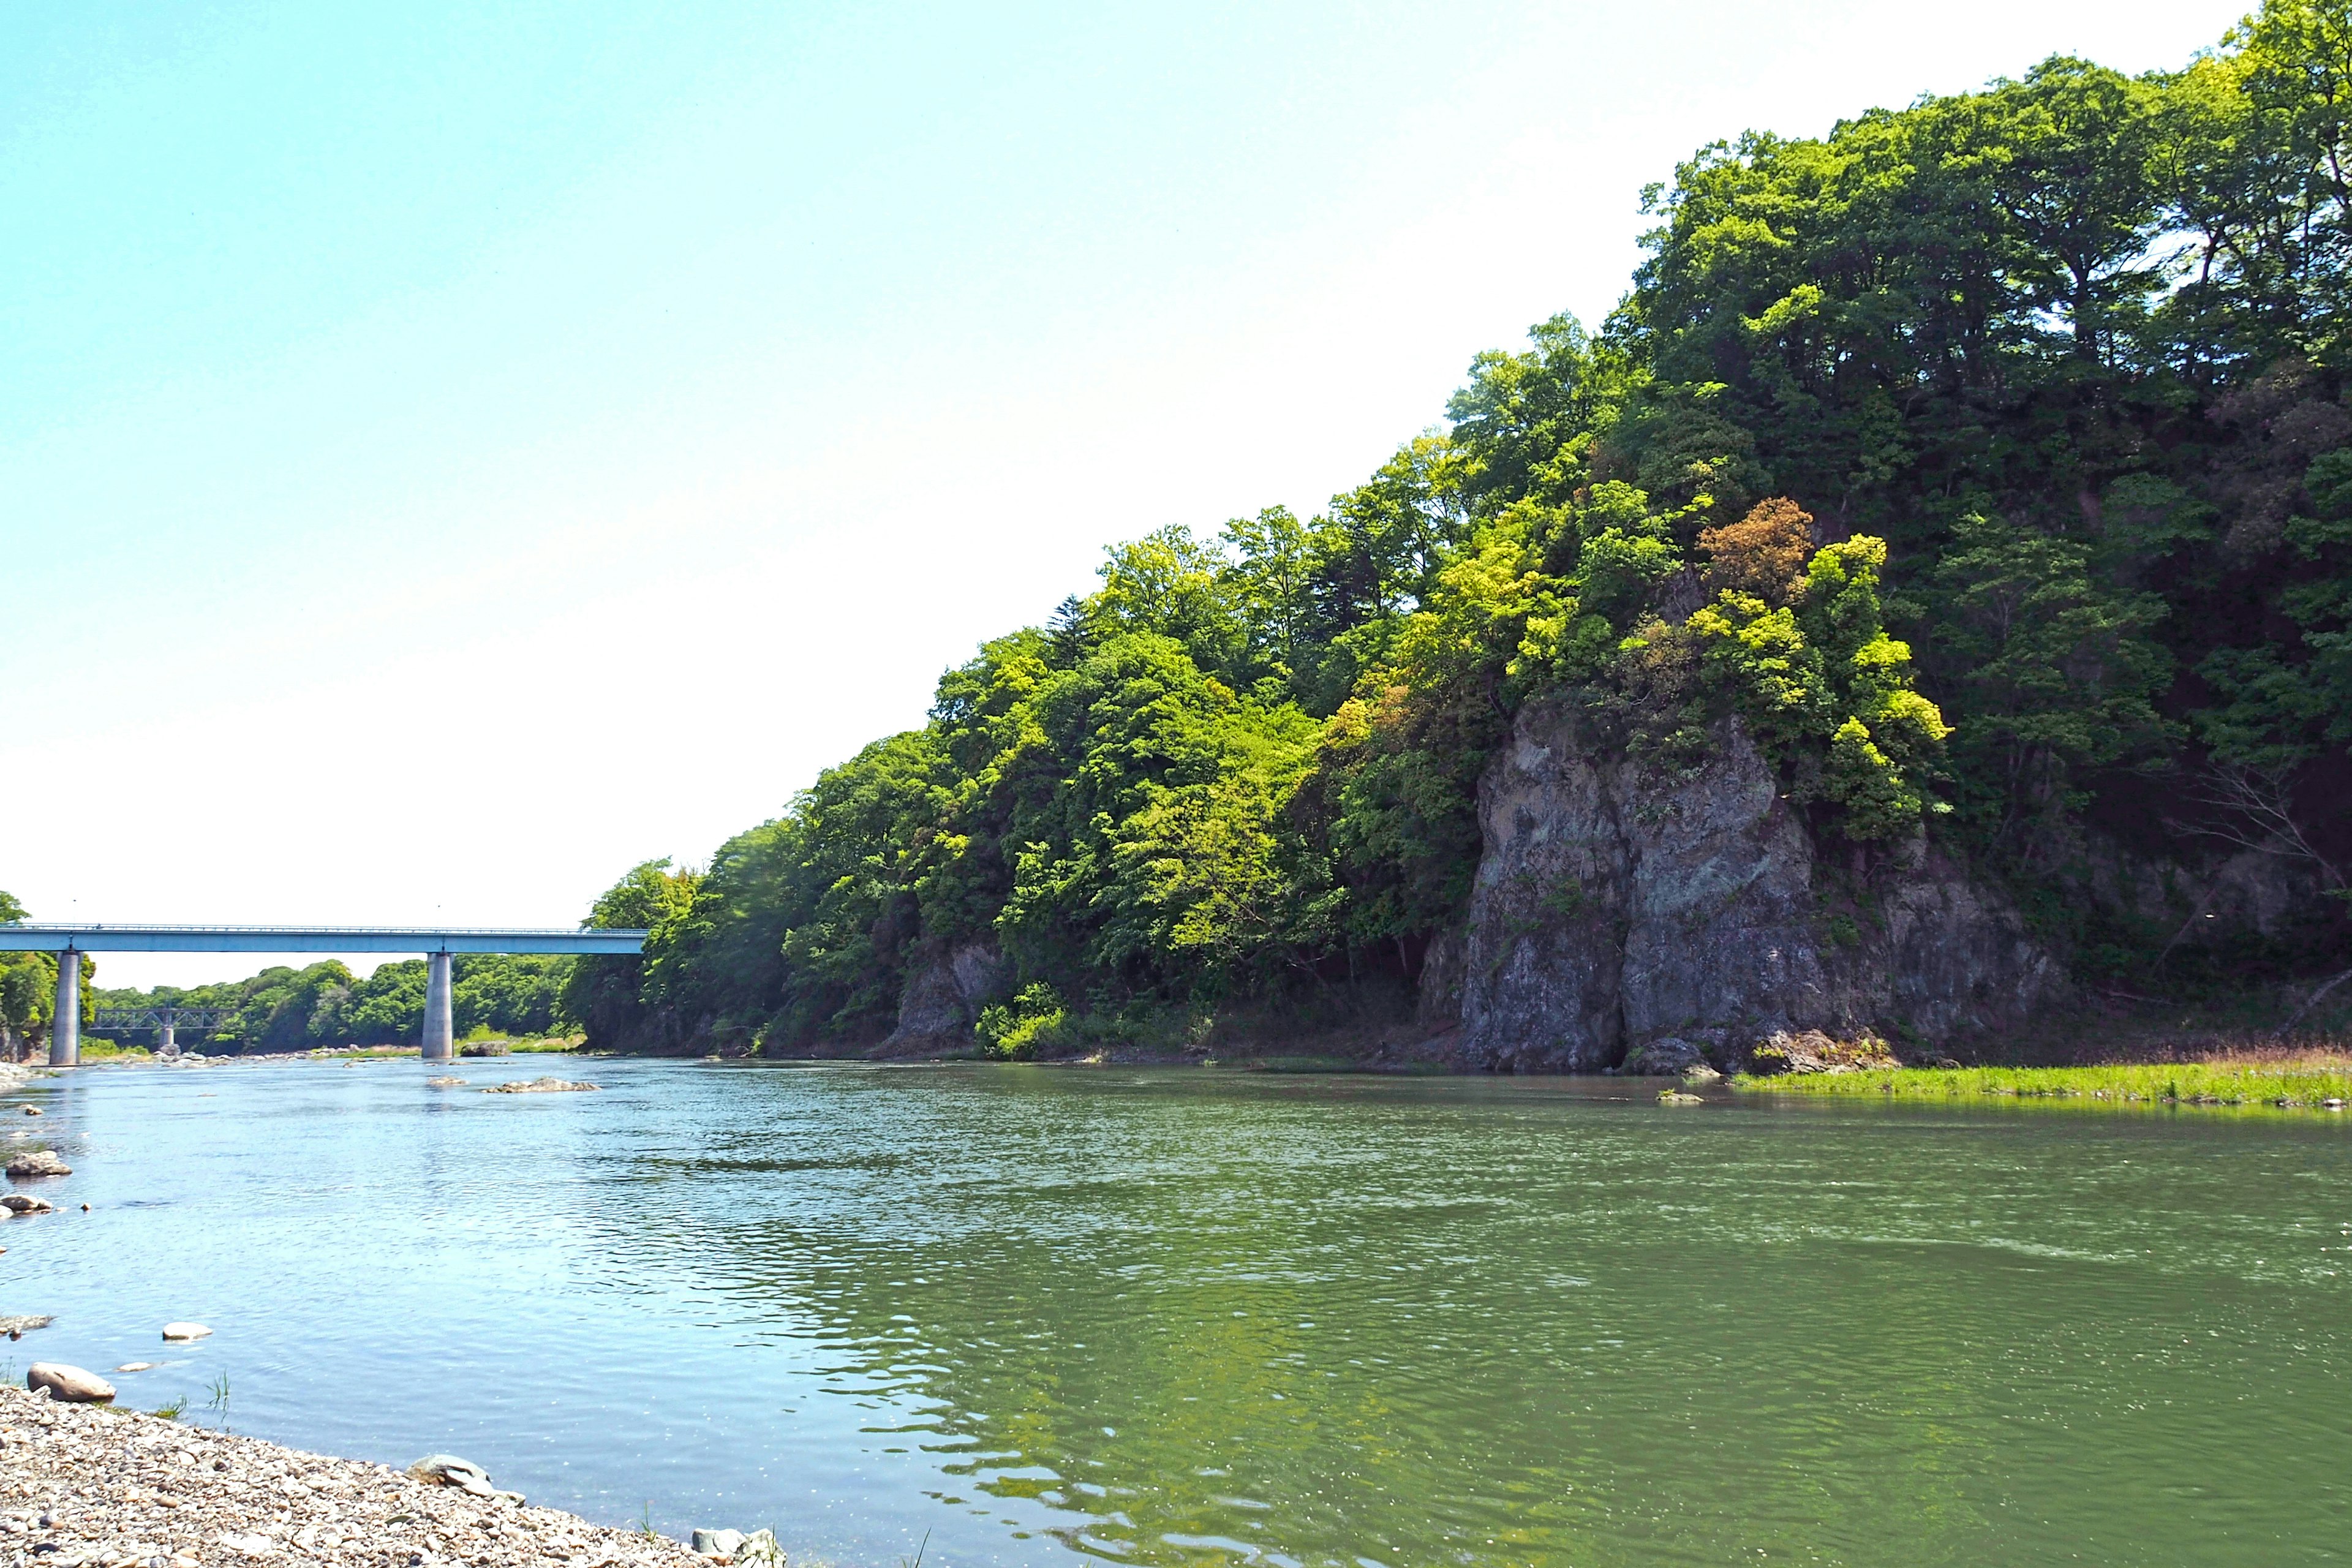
x: 39, y: 1162
x: 1679, y: 916
x: 943, y: 998
x: 71, y: 1383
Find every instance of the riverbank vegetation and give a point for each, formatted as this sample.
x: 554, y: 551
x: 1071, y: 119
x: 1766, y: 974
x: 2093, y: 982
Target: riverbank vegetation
x: 1990, y: 458
x: 2311, y: 1080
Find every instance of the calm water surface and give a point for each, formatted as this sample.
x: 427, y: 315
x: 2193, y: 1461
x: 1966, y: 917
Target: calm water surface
x: 1185, y: 1317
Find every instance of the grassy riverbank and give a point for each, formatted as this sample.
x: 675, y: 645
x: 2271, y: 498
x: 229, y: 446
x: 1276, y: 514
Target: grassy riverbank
x: 2311, y: 1080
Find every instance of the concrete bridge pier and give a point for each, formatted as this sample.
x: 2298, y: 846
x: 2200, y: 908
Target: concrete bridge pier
x: 64, y: 1027
x: 168, y: 1042
x: 438, y: 1025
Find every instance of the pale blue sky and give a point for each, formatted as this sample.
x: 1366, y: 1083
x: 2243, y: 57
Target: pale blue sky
x: 448, y: 454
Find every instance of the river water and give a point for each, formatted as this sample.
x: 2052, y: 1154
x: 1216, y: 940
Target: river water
x: 1178, y: 1316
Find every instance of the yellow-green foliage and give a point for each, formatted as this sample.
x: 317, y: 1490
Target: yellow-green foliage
x: 1032, y: 1022
x: 2293, y: 1085
x: 1824, y: 687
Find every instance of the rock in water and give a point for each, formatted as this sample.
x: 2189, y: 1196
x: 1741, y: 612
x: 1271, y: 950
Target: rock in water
x: 541, y: 1086
x: 23, y: 1323
x: 439, y: 1082
x: 32, y: 1110
x: 136, y: 1366
x: 18, y: 1203
x: 69, y: 1382
x: 39, y: 1162
x: 185, y: 1331
x: 448, y: 1471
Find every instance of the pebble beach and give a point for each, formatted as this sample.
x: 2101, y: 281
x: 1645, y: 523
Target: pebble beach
x: 92, y: 1485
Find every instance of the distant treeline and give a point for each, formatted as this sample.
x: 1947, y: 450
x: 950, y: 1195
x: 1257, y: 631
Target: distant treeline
x: 283, y: 1009
x: 1988, y: 458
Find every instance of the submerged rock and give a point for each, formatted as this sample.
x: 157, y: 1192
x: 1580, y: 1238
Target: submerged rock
x: 25, y: 1202
x: 136, y: 1366
x: 71, y: 1383
x: 541, y: 1086
x: 32, y: 1110
x: 185, y: 1331
x: 24, y: 1322
x: 443, y: 1082
x: 39, y: 1162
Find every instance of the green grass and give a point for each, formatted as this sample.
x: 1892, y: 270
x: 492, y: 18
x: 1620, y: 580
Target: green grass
x: 2291, y: 1083
x: 98, y: 1050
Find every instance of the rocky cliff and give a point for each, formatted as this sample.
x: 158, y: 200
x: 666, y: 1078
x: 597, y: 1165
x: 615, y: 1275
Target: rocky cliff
x: 1674, y: 915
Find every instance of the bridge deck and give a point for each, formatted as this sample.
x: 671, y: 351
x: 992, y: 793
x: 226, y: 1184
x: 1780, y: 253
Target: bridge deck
x: 30, y: 938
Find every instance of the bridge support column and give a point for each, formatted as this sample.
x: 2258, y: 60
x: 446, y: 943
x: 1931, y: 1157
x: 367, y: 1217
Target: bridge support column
x: 64, y: 1027
x: 438, y: 1025
x: 169, y: 1044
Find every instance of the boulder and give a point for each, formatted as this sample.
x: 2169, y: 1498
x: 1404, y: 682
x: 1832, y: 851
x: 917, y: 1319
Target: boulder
x: 1670, y: 1056
x: 448, y: 1471
x: 185, y: 1331
x: 32, y: 1110
x: 24, y: 1322
x: 136, y: 1366
x: 541, y: 1086
x: 24, y: 1203
x: 718, y: 1542
x: 1811, y: 1051
x: 443, y: 1082
x: 69, y: 1382
x: 39, y: 1162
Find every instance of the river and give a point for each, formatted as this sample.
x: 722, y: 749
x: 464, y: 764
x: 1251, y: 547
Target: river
x: 1185, y: 1316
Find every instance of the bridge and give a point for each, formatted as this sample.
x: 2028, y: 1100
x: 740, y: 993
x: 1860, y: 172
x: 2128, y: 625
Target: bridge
x: 438, y: 945
x: 164, y: 1021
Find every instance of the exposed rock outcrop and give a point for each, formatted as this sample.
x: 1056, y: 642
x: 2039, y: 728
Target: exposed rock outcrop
x: 1623, y: 908
x: 943, y: 998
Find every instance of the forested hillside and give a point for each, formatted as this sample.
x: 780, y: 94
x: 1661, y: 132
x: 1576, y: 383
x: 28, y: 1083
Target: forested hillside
x: 1989, y: 460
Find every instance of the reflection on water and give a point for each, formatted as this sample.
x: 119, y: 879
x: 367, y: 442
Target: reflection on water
x: 1165, y: 1317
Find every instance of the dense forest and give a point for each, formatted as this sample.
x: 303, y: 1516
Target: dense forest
x: 1988, y: 458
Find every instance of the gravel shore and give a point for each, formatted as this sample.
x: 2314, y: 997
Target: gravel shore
x: 83, y: 1484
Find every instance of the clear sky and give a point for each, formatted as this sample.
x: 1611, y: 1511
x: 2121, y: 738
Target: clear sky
x: 450, y: 452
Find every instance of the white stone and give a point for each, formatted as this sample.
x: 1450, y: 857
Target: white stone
x: 185, y: 1331
x: 71, y: 1383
